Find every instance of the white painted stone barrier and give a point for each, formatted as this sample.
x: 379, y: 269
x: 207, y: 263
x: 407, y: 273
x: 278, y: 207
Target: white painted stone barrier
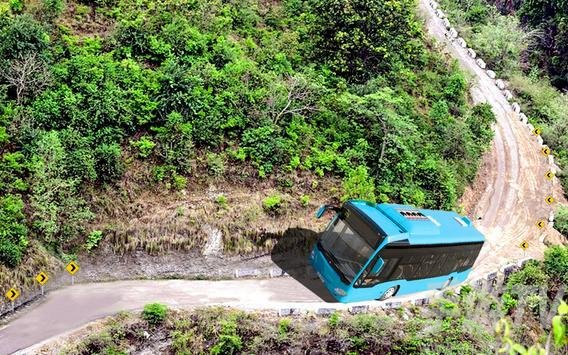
x: 447, y: 24
x: 530, y: 126
x: 500, y: 84
x: 471, y: 53
x: 461, y: 42
x: 491, y: 74
x: 523, y: 118
x: 508, y: 95
x: 440, y: 13
x: 540, y: 140
x: 453, y: 33
x: 480, y: 63
x: 516, y: 107
x: 433, y: 5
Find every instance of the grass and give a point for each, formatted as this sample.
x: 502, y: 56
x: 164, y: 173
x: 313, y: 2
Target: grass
x: 219, y: 330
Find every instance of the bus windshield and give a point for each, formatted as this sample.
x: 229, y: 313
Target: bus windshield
x: 348, y: 243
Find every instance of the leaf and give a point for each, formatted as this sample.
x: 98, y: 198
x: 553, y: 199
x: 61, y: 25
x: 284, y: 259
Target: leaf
x: 563, y: 308
x: 558, y: 330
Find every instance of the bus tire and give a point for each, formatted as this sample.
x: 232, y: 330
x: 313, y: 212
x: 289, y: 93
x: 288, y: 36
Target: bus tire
x: 388, y: 293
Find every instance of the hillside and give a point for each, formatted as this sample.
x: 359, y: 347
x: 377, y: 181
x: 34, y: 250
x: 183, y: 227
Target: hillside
x: 110, y: 110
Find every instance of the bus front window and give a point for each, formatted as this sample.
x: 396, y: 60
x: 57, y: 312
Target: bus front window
x: 345, y: 248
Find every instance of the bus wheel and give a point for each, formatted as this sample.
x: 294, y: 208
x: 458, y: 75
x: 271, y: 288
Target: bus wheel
x: 389, y: 293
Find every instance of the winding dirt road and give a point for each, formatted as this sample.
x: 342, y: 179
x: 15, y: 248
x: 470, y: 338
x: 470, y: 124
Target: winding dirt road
x: 509, y: 206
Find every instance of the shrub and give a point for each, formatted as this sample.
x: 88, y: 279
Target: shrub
x: 179, y: 182
x: 508, y: 302
x: 229, y: 341
x: 531, y: 274
x: 358, y: 184
x: 154, y: 313
x: 304, y: 200
x: 284, y: 326
x: 222, y: 201
x: 216, y: 164
x: 108, y: 162
x: 556, y: 262
x: 561, y: 220
x: 93, y: 239
x: 334, y: 319
x: 272, y: 203
x: 144, y: 145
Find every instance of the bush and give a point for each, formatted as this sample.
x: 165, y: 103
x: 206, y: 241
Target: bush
x: 556, y: 262
x: 304, y: 200
x: 144, y: 146
x: 222, y: 201
x: 229, y: 341
x: 272, y: 203
x: 508, y: 302
x: 93, y: 239
x: 154, y: 313
x: 359, y: 185
x: 561, y: 220
x: 531, y: 274
x: 108, y: 162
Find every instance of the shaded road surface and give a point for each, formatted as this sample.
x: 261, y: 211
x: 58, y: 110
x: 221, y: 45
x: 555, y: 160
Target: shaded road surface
x: 509, y: 206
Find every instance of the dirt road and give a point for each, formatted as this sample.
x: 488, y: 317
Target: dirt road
x: 513, y: 175
x: 513, y: 200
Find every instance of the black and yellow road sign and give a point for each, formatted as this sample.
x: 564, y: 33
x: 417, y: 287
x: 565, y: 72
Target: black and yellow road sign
x: 72, y: 268
x: 549, y: 200
x: 12, y: 294
x: 541, y: 223
x: 42, y: 278
x: 545, y: 151
x: 549, y: 175
x: 524, y: 245
x: 537, y: 131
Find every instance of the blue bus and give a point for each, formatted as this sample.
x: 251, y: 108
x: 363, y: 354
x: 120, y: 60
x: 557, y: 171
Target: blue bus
x: 376, y: 251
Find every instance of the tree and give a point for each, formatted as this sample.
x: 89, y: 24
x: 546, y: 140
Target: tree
x: 359, y: 38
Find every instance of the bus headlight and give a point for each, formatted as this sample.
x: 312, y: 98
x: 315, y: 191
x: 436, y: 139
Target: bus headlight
x: 339, y: 291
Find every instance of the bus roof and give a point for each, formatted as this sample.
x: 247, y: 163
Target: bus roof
x: 422, y: 226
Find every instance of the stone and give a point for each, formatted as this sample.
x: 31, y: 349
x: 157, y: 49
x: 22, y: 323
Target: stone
x: 461, y: 42
x: 516, y: 107
x: 452, y: 33
x: 325, y: 311
x: 421, y: 301
x: 480, y: 63
x: 508, y: 95
x: 523, y: 118
x: 359, y: 309
x: 447, y: 24
x: 246, y: 273
x: 471, y: 53
x: 288, y: 312
x: 491, y: 74
x: 500, y: 84
x: 440, y: 14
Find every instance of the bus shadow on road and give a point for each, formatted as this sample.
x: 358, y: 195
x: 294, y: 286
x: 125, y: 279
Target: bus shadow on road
x: 291, y: 254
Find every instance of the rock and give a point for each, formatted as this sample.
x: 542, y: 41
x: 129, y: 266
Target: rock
x: 500, y: 84
x: 433, y: 5
x: 146, y: 335
x: 440, y: 14
x: 288, y: 312
x: 452, y: 33
x: 246, y: 273
x: 491, y: 74
x: 446, y: 23
x: 359, y: 309
x: 461, y: 42
x: 325, y: 311
x: 523, y: 118
x: 480, y: 63
x: 539, y: 140
x: 508, y: 95
x: 516, y: 107
x: 471, y: 53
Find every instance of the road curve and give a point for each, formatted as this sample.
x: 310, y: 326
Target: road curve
x: 508, y: 207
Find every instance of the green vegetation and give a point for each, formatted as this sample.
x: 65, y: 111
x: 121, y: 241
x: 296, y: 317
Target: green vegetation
x: 190, y: 90
x: 154, y: 313
x: 561, y: 219
x: 93, y: 239
x: 272, y: 203
x: 528, y: 47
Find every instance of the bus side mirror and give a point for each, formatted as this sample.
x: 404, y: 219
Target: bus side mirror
x: 377, y: 267
x: 321, y: 210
